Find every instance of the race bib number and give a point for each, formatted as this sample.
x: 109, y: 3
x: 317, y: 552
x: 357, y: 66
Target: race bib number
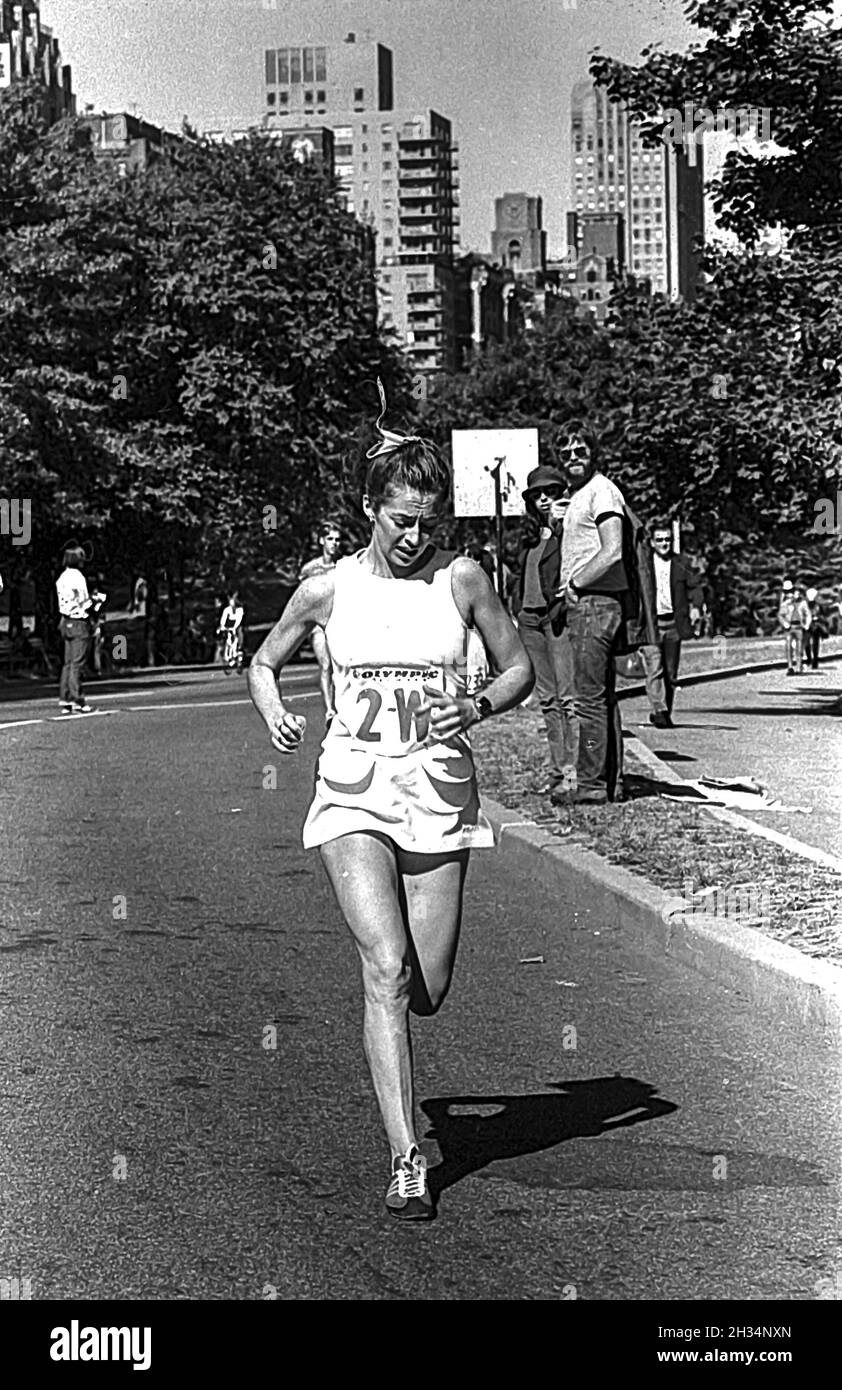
x: 383, y: 705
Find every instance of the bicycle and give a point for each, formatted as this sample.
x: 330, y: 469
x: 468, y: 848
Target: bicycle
x: 232, y: 656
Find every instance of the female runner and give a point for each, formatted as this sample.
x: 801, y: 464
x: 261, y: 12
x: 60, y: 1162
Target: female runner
x: 396, y: 811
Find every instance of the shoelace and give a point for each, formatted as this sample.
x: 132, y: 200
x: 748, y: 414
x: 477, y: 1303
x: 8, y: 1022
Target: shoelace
x: 411, y: 1177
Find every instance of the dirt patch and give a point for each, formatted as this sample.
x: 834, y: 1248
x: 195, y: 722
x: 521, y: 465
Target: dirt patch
x: 714, y: 867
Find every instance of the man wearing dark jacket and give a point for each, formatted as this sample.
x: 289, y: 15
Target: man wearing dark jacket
x: 673, y: 577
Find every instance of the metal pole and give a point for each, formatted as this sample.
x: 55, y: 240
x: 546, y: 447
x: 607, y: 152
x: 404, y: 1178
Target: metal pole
x: 498, y: 522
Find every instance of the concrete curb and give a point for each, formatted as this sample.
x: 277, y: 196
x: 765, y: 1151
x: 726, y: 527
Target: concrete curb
x: 772, y: 974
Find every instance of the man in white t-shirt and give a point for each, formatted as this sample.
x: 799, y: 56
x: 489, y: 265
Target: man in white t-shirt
x: 593, y: 581
x: 74, y: 603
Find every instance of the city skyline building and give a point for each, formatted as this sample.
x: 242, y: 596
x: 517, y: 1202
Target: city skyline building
x: 518, y: 239
x: 397, y: 170
x: 29, y: 48
x: 657, y: 191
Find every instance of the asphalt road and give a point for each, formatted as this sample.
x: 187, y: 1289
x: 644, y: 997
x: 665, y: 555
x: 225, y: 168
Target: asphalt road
x: 608, y: 1125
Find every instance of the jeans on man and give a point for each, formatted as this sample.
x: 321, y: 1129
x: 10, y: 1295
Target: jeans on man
x: 552, y: 660
x: 795, y: 650
x: 812, y: 638
x: 76, y: 634
x: 594, y: 624
x: 661, y: 665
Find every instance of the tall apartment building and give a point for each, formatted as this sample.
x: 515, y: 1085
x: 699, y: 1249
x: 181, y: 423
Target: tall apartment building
x: 29, y: 49
x: 399, y: 174
x: 658, y: 191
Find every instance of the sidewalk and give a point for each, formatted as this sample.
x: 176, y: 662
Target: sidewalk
x: 782, y: 730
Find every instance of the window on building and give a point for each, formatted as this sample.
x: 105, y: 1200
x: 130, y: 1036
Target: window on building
x: 365, y: 166
x: 365, y: 149
x: 270, y: 98
x: 321, y: 98
x: 308, y: 98
x: 309, y: 65
x: 387, y: 163
x: 387, y: 145
x: 283, y: 66
x: 359, y: 94
x: 364, y: 129
x: 283, y: 98
x: 388, y: 241
x: 271, y: 67
x: 295, y: 66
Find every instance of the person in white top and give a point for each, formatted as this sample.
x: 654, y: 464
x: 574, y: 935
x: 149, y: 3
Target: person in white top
x: 74, y: 603
x: 231, y: 620
x: 593, y: 581
x: 396, y: 809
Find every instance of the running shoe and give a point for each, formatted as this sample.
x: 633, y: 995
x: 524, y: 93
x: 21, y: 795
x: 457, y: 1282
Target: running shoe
x: 84, y: 708
x: 65, y: 707
x: 408, y: 1195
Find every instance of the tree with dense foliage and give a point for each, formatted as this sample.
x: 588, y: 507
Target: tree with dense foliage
x: 185, y: 351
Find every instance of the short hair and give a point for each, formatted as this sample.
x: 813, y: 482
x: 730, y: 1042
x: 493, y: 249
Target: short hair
x: 329, y: 525
x: 660, y: 524
x: 416, y: 464
x: 75, y: 556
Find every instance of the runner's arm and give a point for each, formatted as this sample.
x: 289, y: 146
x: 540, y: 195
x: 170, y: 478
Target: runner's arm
x: 481, y: 608
x: 495, y: 627
x: 310, y: 606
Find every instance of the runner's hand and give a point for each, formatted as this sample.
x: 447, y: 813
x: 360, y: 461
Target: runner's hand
x: 287, y: 731
x: 448, y: 716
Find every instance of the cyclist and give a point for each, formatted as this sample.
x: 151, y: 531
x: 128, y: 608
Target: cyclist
x: 330, y: 536
x: 395, y: 810
x: 231, y: 628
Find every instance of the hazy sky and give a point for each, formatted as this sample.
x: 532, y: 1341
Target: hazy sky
x: 501, y: 70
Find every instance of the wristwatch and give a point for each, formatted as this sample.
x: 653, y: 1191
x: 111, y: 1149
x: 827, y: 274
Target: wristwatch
x: 482, y: 705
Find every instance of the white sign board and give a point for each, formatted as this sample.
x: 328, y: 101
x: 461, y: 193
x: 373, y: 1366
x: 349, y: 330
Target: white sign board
x: 475, y: 455
x: 5, y: 65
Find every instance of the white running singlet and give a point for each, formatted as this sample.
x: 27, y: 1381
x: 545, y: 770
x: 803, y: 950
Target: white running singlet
x: 378, y: 770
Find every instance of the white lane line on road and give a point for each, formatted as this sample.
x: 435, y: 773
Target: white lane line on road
x: 145, y: 709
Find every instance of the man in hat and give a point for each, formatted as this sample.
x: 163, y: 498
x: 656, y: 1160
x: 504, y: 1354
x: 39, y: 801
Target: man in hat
x: 74, y: 603
x: 593, y: 582
x: 794, y: 617
x: 541, y: 618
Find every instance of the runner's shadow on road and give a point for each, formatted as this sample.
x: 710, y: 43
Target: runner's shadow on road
x: 469, y: 1140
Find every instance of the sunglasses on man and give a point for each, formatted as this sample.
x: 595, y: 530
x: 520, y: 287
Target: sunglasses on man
x: 574, y: 451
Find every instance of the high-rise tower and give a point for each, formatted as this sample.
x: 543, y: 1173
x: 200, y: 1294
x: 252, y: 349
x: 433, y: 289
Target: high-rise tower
x: 398, y: 171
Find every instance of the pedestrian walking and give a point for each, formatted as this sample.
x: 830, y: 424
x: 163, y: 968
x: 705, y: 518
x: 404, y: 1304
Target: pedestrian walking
x: 396, y: 811
x: 816, y: 629
x: 74, y: 603
x: 673, y: 578
x: 330, y: 536
x: 794, y: 617
x: 593, y: 581
x: 542, y: 623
